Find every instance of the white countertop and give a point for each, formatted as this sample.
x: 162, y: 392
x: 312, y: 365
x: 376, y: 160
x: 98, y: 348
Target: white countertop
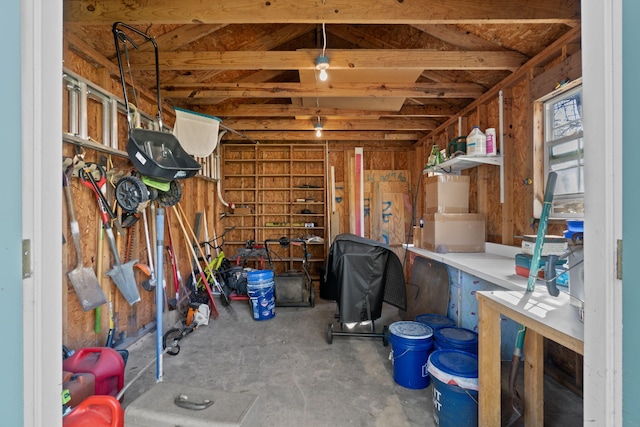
x: 496, y: 265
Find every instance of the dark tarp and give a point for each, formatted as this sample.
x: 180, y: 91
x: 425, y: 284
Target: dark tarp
x: 360, y: 275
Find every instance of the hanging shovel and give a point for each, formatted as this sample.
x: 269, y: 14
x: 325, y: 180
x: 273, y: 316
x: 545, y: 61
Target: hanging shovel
x: 82, y: 278
x: 121, y: 274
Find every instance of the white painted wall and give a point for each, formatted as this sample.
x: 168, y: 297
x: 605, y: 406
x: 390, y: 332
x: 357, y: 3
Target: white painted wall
x: 41, y: 126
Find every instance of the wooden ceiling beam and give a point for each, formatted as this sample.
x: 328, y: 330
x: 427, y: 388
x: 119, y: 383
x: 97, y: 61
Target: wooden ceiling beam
x: 309, y: 135
x: 386, y: 124
x: 181, y: 36
x: 458, y: 37
x: 289, y: 90
x: 271, y: 110
x: 91, y: 12
x: 348, y: 59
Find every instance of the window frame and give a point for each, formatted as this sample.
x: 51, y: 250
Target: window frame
x: 542, y: 145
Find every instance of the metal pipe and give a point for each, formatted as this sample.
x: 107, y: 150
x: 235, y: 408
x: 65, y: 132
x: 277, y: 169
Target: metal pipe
x: 500, y: 135
x: 216, y: 172
x: 159, y: 290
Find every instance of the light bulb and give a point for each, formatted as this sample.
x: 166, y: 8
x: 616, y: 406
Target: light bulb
x: 322, y: 64
x: 318, y: 128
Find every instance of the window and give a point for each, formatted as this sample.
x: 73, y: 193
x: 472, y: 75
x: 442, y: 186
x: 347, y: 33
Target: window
x: 564, y: 152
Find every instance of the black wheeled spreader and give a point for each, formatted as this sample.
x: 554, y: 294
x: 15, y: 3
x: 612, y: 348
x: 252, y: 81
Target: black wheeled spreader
x: 157, y: 156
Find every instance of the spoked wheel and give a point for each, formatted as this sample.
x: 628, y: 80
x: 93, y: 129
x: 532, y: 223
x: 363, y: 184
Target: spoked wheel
x: 171, y: 341
x: 330, y: 333
x: 130, y: 192
x: 385, y: 335
x: 171, y: 197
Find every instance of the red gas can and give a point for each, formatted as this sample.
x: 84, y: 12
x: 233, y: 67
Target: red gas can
x: 80, y: 386
x: 96, y: 411
x: 106, y: 365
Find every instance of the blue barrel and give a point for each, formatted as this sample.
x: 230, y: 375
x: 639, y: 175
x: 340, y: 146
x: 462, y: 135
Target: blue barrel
x: 456, y: 338
x: 411, y: 343
x: 261, y: 291
x: 454, y: 375
x: 435, y: 321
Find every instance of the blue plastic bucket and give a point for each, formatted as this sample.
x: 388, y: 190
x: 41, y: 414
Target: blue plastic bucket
x: 454, y: 376
x: 411, y: 343
x: 453, y: 337
x: 261, y: 291
x: 435, y: 321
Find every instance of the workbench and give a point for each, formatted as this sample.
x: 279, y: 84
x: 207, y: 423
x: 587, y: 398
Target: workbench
x: 544, y: 316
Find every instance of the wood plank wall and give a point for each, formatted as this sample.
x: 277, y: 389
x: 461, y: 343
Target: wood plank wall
x: 513, y: 218
x: 131, y: 322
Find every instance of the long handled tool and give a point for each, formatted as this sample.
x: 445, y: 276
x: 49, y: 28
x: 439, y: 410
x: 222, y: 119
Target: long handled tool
x: 121, y: 274
x: 150, y: 283
x: 516, y: 401
x: 82, y: 278
x: 212, y: 274
x: 214, y: 308
x: 182, y: 294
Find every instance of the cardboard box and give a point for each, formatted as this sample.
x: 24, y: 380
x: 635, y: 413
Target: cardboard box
x: 454, y: 232
x: 447, y: 194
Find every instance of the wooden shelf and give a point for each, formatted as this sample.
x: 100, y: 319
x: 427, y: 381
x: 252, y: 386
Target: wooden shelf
x: 277, y: 176
x: 460, y: 163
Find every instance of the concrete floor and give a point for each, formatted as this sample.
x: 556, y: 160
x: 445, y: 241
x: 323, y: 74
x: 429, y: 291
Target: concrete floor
x: 300, y: 379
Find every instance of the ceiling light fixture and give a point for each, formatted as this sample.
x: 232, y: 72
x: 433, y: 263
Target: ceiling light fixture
x: 322, y: 65
x: 322, y: 62
x: 318, y: 128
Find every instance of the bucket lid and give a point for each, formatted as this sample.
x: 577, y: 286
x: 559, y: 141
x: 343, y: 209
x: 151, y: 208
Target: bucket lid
x: 456, y: 335
x: 411, y: 330
x: 455, y: 362
x: 258, y: 275
x: 436, y: 320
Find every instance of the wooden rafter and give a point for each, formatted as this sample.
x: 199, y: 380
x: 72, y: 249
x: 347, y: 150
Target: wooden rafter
x: 337, y: 11
x: 386, y: 124
x: 269, y: 110
x: 340, y: 59
x: 288, y: 90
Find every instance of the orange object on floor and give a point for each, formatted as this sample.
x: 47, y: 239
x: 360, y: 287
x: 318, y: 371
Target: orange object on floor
x: 96, y: 411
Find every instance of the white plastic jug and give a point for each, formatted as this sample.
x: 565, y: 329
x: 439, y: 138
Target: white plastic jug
x: 476, y: 142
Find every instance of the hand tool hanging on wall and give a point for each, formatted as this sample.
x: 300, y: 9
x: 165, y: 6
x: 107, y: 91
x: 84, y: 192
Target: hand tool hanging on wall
x: 121, y: 274
x: 182, y: 294
x: 82, y: 278
x: 148, y: 284
x: 516, y: 401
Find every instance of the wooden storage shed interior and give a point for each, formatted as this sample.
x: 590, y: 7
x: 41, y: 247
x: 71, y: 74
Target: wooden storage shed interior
x: 403, y: 76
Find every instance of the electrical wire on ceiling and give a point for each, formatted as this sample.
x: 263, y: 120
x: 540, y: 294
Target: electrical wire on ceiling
x: 322, y: 62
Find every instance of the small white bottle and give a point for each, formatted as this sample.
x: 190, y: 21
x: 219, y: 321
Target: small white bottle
x: 476, y: 142
x: 491, y: 142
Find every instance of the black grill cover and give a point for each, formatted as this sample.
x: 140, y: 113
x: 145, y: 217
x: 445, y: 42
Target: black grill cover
x: 360, y: 275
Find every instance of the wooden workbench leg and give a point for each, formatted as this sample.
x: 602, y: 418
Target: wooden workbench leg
x: 488, y: 365
x: 533, y: 379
